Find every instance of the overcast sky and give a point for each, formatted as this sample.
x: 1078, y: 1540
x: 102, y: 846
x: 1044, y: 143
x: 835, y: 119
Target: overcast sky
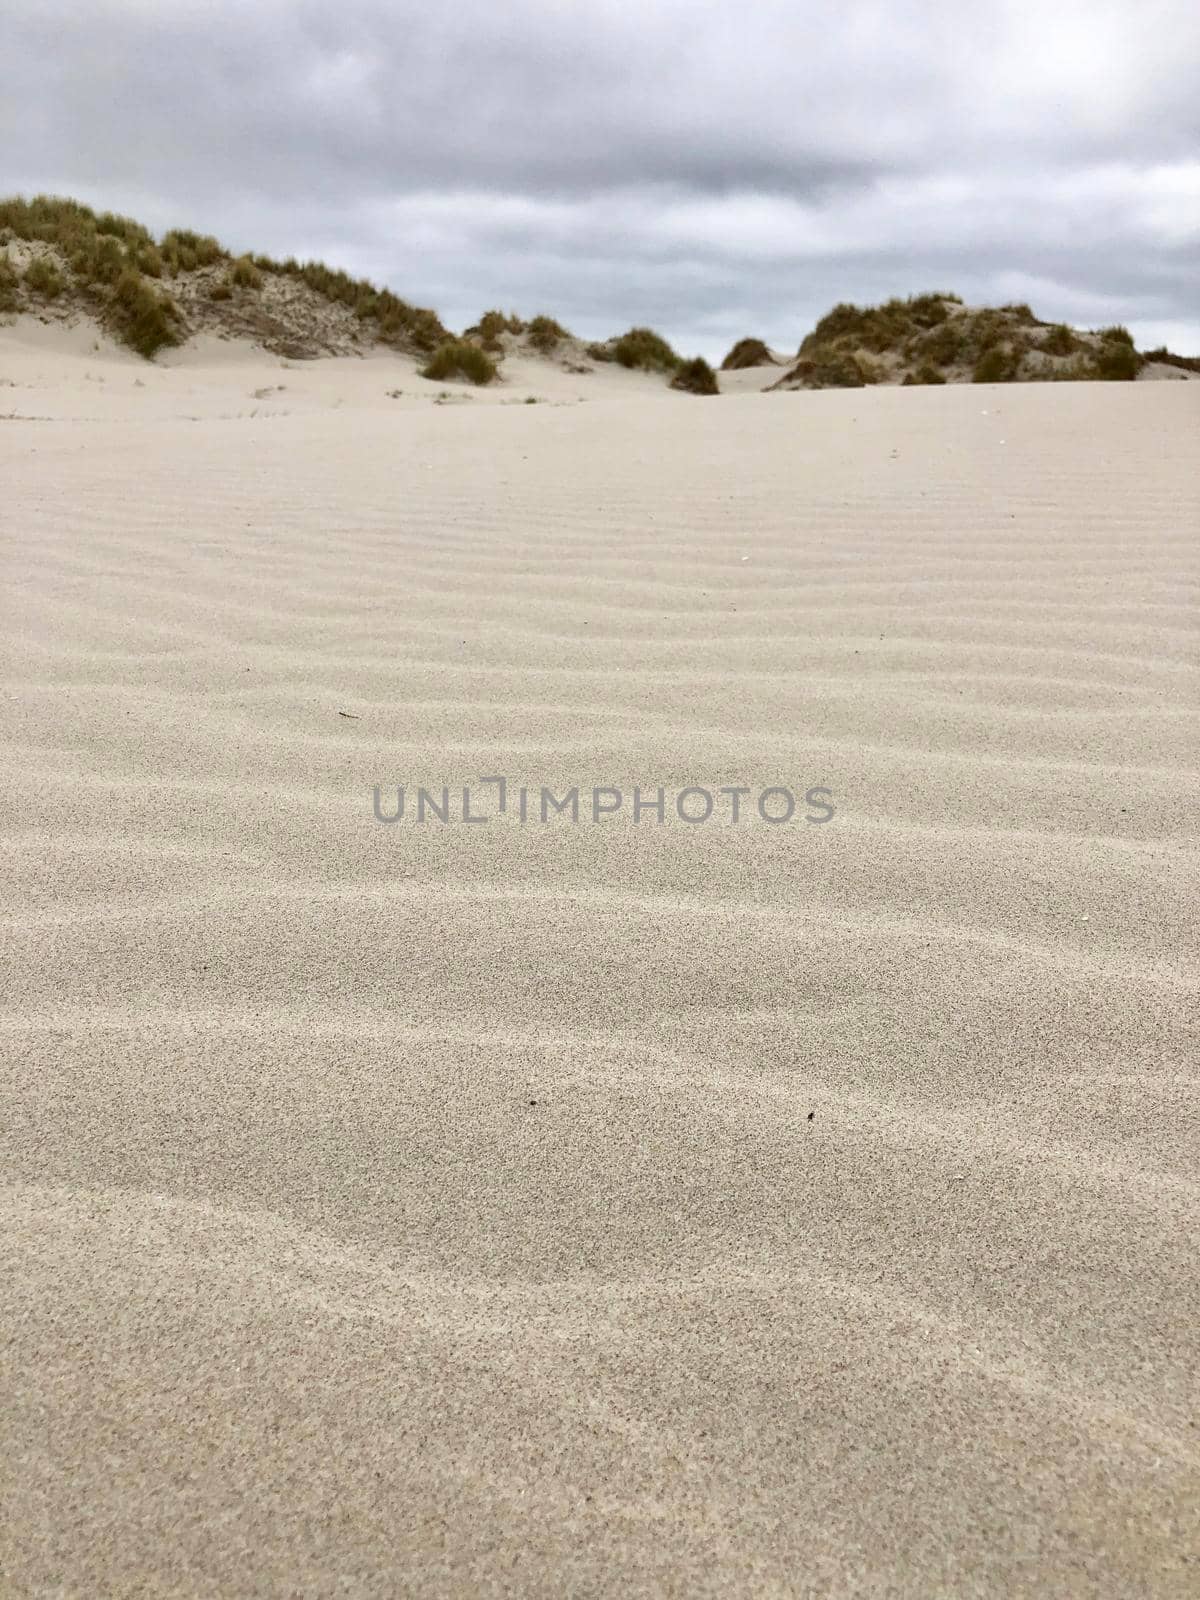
x: 713, y: 169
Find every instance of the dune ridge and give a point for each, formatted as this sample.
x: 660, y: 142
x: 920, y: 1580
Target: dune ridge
x: 67, y: 265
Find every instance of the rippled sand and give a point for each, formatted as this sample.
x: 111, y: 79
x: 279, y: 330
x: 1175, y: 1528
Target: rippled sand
x: 603, y: 1208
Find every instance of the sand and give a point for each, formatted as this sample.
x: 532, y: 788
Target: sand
x: 597, y: 1208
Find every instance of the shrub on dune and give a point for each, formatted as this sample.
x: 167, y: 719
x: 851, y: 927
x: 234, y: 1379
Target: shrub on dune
x: 827, y: 369
x: 878, y: 328
x: 696, y: 377
x: 490, y: 326
x: 1059, y: 340
x: 995, y: 365
x: 184, y: 251
x: 43, y: 278
x: 747, y: 353
x: 405, y: 326
x: 1170, y: 359
x: 125, y: 229
x: 145, y: 318
x: 942, y: 346
x: 643, y: 348
x: 1020, y: 312
x: 100, y: 259
x: 457, y: 358
x: 1117, y: 360
x: 243, y: 274
x: 545, y: 335
x: 845, y: 320
x: 8, y: 285
x: 923, y: 310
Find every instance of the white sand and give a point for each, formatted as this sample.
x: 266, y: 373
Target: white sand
x: 300, y: 1293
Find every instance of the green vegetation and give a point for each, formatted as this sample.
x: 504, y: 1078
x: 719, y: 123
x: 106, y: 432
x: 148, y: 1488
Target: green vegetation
x: 1169, y: 358
x: 458, y: 358
x: 1059, y: 340
x: 43, y: 278
x: 100, y: 261
x: 8, y: 285
x: 492, y: 324
x: 545, y: 335
x: 911, y: 340
x: 1116, y: 358
x: 696, y: 377
x: 184, y: 251
x: 1020, y: 313
x: 829, y: 369
x: 67, y: 224
x: 396, y: 322
x: 243, y: 274
x: 943, y: 345
x: 145, y: 318
x: 643, y: 348
x: 405, y: 326
x: 997, y: 364
x: 640, y: 347
x: 879, y: 328
x: 100, y: 250
x: 933, y: 338
x: 747, y: 353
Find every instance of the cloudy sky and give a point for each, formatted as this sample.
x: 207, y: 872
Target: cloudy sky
x: 711, y: 168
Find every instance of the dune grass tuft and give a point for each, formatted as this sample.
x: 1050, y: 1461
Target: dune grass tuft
x: 184, y: 251
x: 8, y: 285
x: 243, y: 274
x: 43, y: 278
x: 828, y: 369
x: 1059, y: 340
x: 545, y: 335
x: 145, y: 319
x: 747, y: 353
x: 1021, y: 313
x: 458, y: 358
x: 996, y: 365
x: 645, y: 349
x: 1117, y: 360
x: 879, y: 328
x: 696, y: 377
x: 492, y: 324
x: 1170, y: 359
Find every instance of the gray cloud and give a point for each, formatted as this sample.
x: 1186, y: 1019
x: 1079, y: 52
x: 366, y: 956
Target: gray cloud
x: 715, y: 169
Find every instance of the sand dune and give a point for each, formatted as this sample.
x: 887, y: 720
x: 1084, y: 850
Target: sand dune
x: 596, y: 1208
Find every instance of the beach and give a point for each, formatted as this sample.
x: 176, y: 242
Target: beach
x: 597, y: 1206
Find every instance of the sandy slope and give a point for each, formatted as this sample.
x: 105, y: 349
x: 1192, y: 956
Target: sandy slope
x: 437, y: 1209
